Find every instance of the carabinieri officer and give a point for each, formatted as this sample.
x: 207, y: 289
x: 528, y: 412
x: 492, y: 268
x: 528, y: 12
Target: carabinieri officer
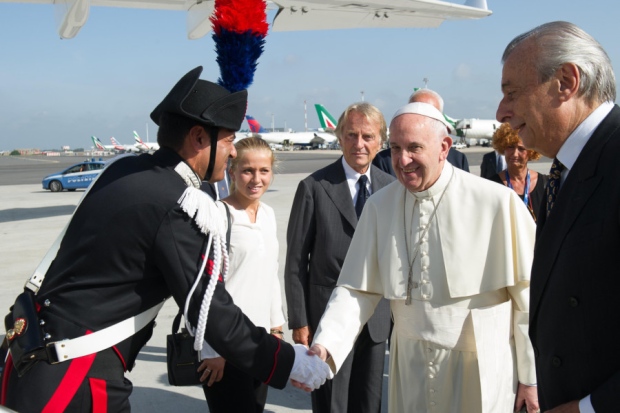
x: 143, y: 232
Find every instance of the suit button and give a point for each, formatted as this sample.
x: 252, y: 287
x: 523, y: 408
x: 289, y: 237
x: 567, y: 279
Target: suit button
x: 556, y: 361
x: 573, y: 302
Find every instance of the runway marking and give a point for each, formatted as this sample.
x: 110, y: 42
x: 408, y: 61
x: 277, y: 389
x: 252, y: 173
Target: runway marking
x: 33, y: 159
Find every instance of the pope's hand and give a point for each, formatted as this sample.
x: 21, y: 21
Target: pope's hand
x: 309, y: 371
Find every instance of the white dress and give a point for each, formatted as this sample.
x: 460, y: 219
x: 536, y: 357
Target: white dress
x: 253, y: 279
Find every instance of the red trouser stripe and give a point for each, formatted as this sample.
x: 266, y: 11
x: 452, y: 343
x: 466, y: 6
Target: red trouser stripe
x: 8, y: 368
x: 99, y: 394
x: 70, y: 383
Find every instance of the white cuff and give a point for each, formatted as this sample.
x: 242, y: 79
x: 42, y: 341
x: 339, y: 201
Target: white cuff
x: 585, y: 405
x: 207, y: 352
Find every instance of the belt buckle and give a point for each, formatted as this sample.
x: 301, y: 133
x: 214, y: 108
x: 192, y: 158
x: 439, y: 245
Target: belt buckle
x: 52, y: 355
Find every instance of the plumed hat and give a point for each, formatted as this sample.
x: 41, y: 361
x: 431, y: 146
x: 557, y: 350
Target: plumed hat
x: 206, y: 102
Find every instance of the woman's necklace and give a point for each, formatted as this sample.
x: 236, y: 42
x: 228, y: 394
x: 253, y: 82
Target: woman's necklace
x: 410, y: 261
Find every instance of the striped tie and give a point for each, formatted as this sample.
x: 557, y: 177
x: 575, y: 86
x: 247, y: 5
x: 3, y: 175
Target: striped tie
x: 553, y: 186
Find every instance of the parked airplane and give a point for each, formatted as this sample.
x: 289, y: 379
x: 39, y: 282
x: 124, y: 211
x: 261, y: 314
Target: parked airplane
x: 292, y: 15
x: 124, y: 148
x: 314, y: 139
x: 480, y: 129
x: 144, y: 146
x: 327, y: 121
x: 100, y: 146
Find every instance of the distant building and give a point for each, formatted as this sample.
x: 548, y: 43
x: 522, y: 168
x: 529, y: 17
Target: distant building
x: 33, y: 151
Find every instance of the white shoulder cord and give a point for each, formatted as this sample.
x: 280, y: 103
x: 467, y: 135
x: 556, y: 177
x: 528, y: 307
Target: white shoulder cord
x: 202, y: 208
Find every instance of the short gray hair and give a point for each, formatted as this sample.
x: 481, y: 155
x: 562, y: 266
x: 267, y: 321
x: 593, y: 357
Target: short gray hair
x: 420, y: 92
x: 563, y: 42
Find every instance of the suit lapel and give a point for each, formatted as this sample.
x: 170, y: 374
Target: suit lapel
x: 580, y: 184
x: 378, y: 179
x: 337, y: 188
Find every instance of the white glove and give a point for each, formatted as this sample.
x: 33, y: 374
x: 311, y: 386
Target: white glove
x: 311, y: 371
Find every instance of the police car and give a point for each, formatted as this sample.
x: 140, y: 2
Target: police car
x: 75, y: 177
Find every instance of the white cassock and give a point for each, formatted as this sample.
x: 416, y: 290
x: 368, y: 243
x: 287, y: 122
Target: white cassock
x: 462, y: 344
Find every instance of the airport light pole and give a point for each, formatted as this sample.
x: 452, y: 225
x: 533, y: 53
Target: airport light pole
x: 362, y: 92
x: 305, y: 117
x: 273, y: 129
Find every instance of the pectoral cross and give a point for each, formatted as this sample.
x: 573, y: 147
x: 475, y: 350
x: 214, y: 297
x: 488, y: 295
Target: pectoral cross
x: 410, y: 286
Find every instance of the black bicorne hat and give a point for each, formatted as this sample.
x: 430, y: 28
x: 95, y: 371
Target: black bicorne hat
x: 206, y: 102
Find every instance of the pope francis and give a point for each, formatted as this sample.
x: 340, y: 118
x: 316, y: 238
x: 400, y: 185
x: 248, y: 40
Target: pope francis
x: 453, y: 253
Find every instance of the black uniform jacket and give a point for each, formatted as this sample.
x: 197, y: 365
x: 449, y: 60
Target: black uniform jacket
x: 128, y: 247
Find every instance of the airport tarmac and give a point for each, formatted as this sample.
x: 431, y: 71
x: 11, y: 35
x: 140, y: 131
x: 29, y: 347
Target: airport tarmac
x: 31, y: 218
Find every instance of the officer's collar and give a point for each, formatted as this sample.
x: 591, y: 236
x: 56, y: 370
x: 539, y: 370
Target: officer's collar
x: 189, y: 176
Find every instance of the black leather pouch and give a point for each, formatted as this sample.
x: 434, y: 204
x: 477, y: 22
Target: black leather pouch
x: 181, y: 357
x: 24, y: 333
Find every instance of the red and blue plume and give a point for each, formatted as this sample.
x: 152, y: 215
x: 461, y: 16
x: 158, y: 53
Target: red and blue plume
x: 239, y: 30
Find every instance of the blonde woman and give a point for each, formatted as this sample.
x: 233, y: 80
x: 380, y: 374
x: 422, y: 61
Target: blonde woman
x: 253, y: 275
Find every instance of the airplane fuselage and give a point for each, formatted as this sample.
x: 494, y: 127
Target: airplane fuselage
x: 477, y: 128
x: 297, y: 138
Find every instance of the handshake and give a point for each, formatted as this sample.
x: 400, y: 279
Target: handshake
x: 309, y: 372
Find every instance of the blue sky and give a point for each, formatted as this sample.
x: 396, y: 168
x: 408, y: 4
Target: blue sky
x: 106, y: 81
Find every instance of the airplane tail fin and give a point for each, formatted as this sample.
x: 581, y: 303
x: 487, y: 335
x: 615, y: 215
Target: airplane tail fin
x: 97, y: 143
x: 451, y: 121
x: 137, y: 138
x: 326, y: 120
x: 255, y: 127
x: 116, y: 144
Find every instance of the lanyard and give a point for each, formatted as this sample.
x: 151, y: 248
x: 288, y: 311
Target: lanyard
x: 526, y: 193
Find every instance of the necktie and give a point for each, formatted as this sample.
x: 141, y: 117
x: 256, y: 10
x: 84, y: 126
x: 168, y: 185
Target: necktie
x: 500, y: 163
x: 553, y: 186
x: 362, y: 195
x: 222, y: 189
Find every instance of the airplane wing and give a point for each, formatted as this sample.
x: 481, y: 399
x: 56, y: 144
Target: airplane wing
x: 343, y: 14
x: 292, y: 15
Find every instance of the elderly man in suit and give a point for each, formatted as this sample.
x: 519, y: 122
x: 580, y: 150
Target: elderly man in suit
x: 559, y: 88
x: 323, y: 219
x: 383, y: 160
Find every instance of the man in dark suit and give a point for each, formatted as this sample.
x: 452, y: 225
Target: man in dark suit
x: 492, y: 164
x: 559, y: 89
x: 323, y: 218
x: 383, y: 160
